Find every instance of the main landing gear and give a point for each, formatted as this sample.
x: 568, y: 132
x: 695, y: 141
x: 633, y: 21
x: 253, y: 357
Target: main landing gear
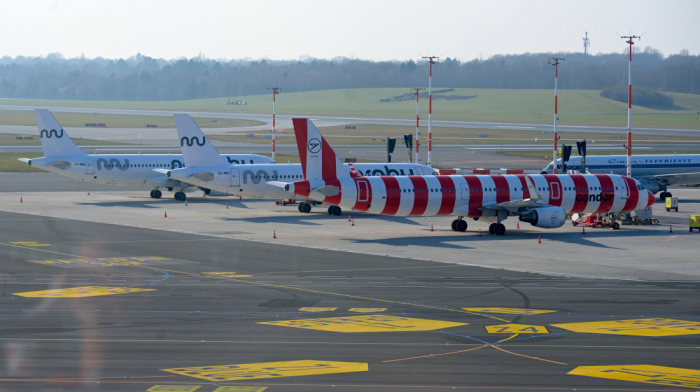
x: 497, y: 229
x: 664, y: 195
x: 459, y: 224
x: 334, y: 210
x: 180, y: 196
x: 304, y: 207
x: 156, y: 194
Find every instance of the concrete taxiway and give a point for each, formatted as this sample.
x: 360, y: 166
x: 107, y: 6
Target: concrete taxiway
x: 103, y: 292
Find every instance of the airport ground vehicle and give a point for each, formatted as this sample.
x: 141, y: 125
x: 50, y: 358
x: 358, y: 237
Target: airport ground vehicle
x: 541, y: 200
x: 671, y: 204
x: 694, y: 222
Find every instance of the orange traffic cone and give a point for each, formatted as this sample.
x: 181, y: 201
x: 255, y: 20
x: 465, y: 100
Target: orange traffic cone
x: 353, y: 223
x: 539, y: 239
x: 479, y: 232
x: 670, y: 229
x: 349, y: 218
x: 518, y: 225
x: 166, y: 214
x: 20, y: 199
x: 584, y: 230
x: 185, y: 202
x: 88, y: 192
x: 227, y: 206
x: 431, y: 227
x: 274, y: 234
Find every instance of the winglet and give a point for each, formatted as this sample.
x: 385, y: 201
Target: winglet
x: 54, y: 141
x: 318, y: 160
x: 197, y: 150
x: 534, y: 194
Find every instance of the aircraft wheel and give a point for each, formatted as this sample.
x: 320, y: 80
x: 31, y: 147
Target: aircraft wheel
x: 306, y: 208
x: 616, y: 226
x: 331, y: 210
x: 170, y: 189
x: 461, y: 225
x: 573, y: 222
x: 500, y: 229
x: 177, y: 195
x: 153, y: 197
x: 454, y: 225
x: 300, y: 206
x: 338, y: 210
x: 157, y: 194
x: 492, y: 228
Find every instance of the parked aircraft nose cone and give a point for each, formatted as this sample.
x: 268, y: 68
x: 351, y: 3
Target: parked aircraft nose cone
x: 651, y: 199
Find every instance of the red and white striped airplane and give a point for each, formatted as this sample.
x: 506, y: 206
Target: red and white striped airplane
x: 541, y: 200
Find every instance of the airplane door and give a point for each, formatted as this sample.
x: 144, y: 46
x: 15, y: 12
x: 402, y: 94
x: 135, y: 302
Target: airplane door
x: 362, y: 191
x: 624, y: 190
x: 465, y: 191
x: 89, y: 166
x: 235, y: 177
x: 556, y: 192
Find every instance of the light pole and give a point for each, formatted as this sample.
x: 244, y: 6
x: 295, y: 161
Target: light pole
x: 555, y: 62
x: 630, y: 40
x: 274, y: 93
x: 417, y: 92
x: 431, y: 59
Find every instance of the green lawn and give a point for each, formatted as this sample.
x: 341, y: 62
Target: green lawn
x: 576, y: 107
x: 26, y: 117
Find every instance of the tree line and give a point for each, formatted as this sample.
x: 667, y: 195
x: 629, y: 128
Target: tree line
x: 145, y: 78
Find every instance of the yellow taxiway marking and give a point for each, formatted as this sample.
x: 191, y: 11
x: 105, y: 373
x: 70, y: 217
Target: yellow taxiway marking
x: 510, y: 310
x: 29, y: 244
x: 240, y: 389
x: 366, y: 310
x: 516, y: 328
x: 659, y: 375
x: 226, y: 275
x: 78, y: 292
x: 250, y: 371
x: 369, y: 323
x: 636, y: 327
x: 138, y: 261
x: 173, y: 388
x: 315, y: 309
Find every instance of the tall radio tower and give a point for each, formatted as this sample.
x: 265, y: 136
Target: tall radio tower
x: 630, y: 40
x: 586, y: 44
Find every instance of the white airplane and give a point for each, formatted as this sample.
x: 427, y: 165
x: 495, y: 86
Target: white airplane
x: 654, y: 172
x: 62, y: 156
x: 542, y: 200
x: 205, y: 168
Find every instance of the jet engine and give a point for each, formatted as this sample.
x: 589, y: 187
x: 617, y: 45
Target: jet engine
x: 546, y: 217
x: 650, y: 185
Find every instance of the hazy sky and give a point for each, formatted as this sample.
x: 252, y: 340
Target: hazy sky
x: 373, y: 30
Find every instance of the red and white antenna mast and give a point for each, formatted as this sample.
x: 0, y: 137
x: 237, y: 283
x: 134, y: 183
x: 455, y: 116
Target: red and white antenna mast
x: 630, y: 40
x: 417, y: 92
x: 555, y: 62
x: 275, y: 91
x: 431, y: 59
x: 629, y: 153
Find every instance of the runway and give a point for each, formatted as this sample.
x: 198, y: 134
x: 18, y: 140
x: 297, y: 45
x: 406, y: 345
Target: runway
x: 165, y: 311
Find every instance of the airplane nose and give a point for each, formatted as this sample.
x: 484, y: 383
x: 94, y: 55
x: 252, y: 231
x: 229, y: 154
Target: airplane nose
x: 651, y: 199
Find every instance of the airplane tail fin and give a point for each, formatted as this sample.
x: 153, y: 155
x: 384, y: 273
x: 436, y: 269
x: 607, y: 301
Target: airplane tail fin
x: 318, y: 160
x: 54, y: 140
x: 197, y: 150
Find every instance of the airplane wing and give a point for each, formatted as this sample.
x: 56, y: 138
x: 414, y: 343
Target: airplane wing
x: 669, y: 178
x: 515, y: 204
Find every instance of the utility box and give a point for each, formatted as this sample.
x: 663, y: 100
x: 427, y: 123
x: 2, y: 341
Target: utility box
x: 644, y: 213
x: 671, y: 204
x: 694, y: 222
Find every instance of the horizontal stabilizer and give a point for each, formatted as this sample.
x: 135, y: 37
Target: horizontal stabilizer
x: 25, y: 160
x: 328, y: 190
x: 277, y: 184
x: 163, y: 171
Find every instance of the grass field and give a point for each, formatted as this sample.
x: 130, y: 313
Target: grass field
x: 576, y: 107
x: 26, y: 117
x: 370, y: 134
